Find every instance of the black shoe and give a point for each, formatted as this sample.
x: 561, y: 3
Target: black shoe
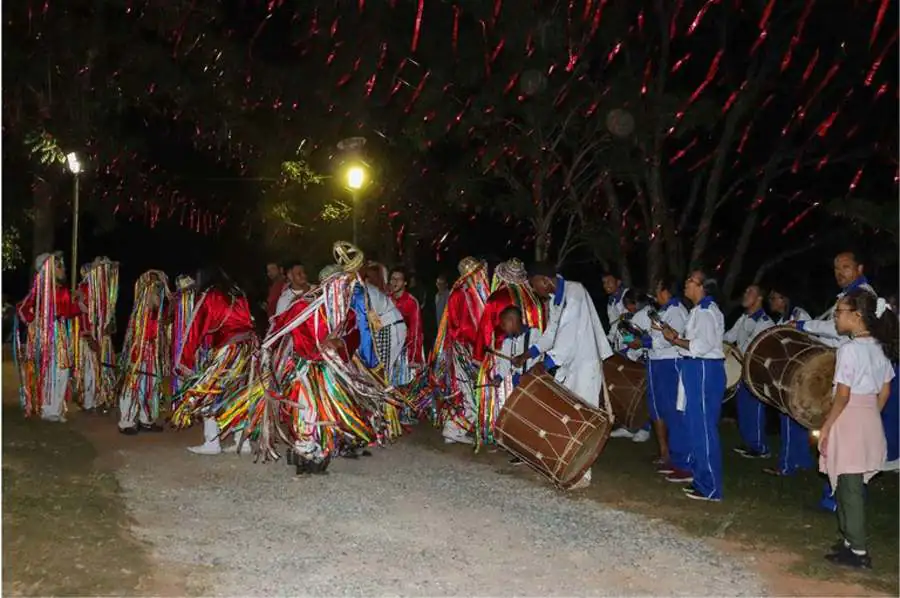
x: 515, y: 461
x: 89, y: 410
x: 320, y: 468
x: 291, y: 457
x: 366, y: 453
x: 132, y: 431
x: 848, y: 558
x: 751, y: 454
x: 351, y: 455
x: 303, y: 467
x: 151, y: 428
x: 838, y: 547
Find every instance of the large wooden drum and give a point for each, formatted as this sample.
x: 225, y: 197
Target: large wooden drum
x: 627, y: 384
x: 551, y: 429
x: 734, y: 367
x: 793, y: 372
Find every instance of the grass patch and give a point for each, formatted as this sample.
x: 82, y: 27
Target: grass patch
x: 759, y: 511
x: 64, y: 521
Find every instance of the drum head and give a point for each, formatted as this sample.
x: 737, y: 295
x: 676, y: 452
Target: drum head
x: 811, y: 390
x: 592, y: 445
x: 733, y: 367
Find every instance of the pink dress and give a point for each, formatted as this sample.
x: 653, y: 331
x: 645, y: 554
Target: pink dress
x: 856, y: 443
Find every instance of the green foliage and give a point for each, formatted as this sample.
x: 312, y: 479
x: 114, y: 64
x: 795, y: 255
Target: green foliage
x: 45, y: 146
x: 12, y: 248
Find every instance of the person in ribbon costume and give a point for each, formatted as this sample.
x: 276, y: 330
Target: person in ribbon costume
x: 333, y: 404
x: 388, y: 325
x: 178, y: 316
x: 221, y: 321
x: 509, y: 288
x: 46, y: 358
x: 453, y: 367
x: 98, y: 292
x: 145, y: 361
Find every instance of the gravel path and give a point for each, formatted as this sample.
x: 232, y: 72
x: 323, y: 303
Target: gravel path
x: 407, y: 521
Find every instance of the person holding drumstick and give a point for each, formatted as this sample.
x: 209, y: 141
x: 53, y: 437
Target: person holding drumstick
x: 574, y: 342
x: 751, y: 412
x: 702, y: 373
x: 625, y: 335
x: 794, y: 454
x: 662, y: 378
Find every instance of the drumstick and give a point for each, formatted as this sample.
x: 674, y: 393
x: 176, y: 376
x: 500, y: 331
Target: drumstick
x: 500, y: 355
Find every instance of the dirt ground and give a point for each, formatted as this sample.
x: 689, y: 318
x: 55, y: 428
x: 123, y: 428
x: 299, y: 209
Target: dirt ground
x: 68, y: 530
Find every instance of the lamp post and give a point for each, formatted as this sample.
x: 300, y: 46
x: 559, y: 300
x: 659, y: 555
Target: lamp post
x: 355, y: 173
x: 75, y: 168
x: 356, y: 178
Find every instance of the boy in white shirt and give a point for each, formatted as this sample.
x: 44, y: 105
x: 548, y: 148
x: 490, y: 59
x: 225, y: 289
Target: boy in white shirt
x: 519, y: 338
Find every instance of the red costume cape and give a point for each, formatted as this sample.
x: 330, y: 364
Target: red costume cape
x: 412, y: 315
x: 217, y: 318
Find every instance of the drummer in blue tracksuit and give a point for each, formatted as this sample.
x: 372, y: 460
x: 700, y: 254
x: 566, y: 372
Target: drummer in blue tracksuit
x: 795, y: 454
x: 751, y: 412
x: 702, y: 374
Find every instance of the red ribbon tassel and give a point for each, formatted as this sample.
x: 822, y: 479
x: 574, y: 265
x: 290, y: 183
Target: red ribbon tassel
x: 417, y: 28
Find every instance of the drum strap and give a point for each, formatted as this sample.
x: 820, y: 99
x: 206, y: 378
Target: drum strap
x: 608, y: 404
x: 527, y: 346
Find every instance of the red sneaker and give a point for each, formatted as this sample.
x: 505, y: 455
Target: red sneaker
x: 679, y: 476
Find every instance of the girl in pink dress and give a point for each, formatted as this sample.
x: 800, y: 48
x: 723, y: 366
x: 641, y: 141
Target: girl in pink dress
x: 852, y: 445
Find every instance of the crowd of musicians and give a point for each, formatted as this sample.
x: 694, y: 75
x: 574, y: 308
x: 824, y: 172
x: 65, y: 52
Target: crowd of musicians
x: 342, y: 366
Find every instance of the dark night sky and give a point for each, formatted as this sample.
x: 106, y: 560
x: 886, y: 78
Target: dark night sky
x: 175, y: 249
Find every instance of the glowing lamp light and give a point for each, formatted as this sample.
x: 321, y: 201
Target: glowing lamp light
x: 356, y: 177
x: 73, y: 163
x: 815, y: 433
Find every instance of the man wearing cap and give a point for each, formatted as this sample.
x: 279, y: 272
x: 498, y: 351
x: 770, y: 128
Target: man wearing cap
x: 574, y: 343
x: 47, y: 358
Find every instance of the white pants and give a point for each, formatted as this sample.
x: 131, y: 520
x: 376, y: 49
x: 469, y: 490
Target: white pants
x: 88, y: 373
x: 55, y: 393
x: 132, y: 409
x: 586, y: 381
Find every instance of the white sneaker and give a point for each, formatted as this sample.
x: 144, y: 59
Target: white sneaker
x: 580, y: 484
x: 458, y: 440
x: 206, y: 449
x: 621, y: 433
x: 891, y: 465
x: 641, y: 436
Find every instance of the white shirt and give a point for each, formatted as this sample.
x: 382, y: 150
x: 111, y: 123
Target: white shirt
x: 823, y: 326
x: 862, y: 365
x: 638, y: 320
x: 673, y: 313
x: 513, y: 346
x: 286, y: 299
x: 383, y: 306
x: 796, y: 314
x: 705, y: 330
x: 747, y: 327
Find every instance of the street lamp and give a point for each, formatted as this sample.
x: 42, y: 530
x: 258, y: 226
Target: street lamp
x: 355, y: 173
x: 75, y: 168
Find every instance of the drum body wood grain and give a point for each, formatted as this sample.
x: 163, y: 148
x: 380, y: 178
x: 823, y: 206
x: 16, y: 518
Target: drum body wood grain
x: 793, y: 372
x: 734, y: 366
x: 627, y: 384
x: 551, y: 429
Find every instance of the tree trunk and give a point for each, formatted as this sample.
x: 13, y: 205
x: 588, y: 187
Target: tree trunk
x: 44, y: 225
x: 736, y: 265
x: 615, y: 210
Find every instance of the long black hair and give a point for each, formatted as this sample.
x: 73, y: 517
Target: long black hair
x: 215, y: 277
x: 883, y: 329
